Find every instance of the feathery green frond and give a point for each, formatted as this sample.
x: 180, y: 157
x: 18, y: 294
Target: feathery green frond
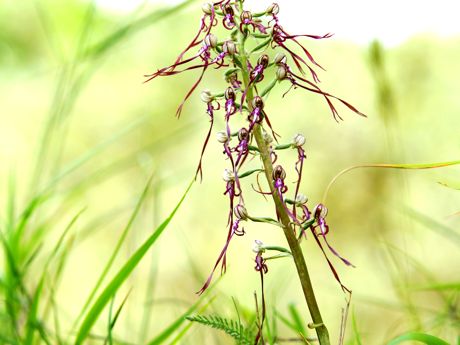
x: 242, y: 335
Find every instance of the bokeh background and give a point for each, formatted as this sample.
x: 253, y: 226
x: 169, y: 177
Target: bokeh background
x: 78, y: 122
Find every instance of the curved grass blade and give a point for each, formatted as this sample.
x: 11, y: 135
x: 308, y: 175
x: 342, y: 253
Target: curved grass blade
x: 122, y: 275
x: 297, y: 320
x: 288, y: 323
x: 439, y: 287
x: 356, y: 332
x: 113, y: 320
x: 454, y: 186
x: 33, y: 322
x: 124, y: 31
x: 432, y: 224
x: 421, y: 337
x: 422, y: 166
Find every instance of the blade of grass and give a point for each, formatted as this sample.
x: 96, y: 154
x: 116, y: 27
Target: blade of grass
x: 11, y: 203
x: 356, y: 333
x: 440, y: 286
x: 159, y: 339
x: 120, y: 242
x: 77, y: 163
x: 109, y: 338
x: 431, y: 224
x: 117, y: 281
x: 113, y: 321
x: 297, y: 320
x: 33, y: 322
x: 70, y: 84
x: 286, y: 322
x: 388, y: 166
x: 60, y: 267
x: 153, y: 269
x: 118, y: 35
x: 67, y: 90
x: 421, y: 337
x: 399, y: 276
x: 453, y: 186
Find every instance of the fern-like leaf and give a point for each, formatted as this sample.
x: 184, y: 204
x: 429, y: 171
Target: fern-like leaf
x: 235, y: 329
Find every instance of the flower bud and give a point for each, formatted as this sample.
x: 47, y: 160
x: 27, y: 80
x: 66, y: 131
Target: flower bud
x: 320, y: 211
x: 280, y: 58
x: 246, y: 16
x: 207, y: 8
x: 228, y: 175
x: 228, y: 9
x: 229, y: 77
x: 258, y: 246
x: 257, y: 102
x: 281, y: 72
x: 210, y: 41
x: 273, y: 9
x: 243, y: 134
x: 229, y: 93
x: 206, y: 96
x: 263, y: 60
x: 267, y: 137
x: 240, y: 212
x: 279, y: 173
x: 298, y: 140
x: 301, y: 199
x: 229, y: 47
x: 222, y: 137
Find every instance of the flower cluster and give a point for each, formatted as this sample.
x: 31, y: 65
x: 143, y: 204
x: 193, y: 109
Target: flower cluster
x: 254, y: 46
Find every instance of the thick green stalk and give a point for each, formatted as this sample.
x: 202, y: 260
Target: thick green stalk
x: 294, y: 245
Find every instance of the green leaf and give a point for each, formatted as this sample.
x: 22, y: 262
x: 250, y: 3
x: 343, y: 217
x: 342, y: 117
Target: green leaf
x: 421, y: 337
x: 242, y: 335
x: 122, y: 275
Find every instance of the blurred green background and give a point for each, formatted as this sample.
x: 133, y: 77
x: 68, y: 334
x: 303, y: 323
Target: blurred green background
x: 78, y: 122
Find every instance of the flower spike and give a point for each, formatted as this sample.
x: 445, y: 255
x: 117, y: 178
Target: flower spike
x: 245, y: 133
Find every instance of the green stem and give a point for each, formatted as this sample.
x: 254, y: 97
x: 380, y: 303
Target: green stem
x: 294, y: 245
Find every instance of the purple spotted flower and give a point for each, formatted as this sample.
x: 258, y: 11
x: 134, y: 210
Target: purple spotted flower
x: 248, y: 21
x: 229, y: 14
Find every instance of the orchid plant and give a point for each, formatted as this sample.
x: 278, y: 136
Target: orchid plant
x: 254, y: 44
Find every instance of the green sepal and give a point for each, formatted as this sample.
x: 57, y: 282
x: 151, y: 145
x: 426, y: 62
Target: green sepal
x: 261, y: 45
x: 283, y: 147
x: 259, y: 14
x: 308, y: 223
x: 260, y: 35
x: 250, y: 172
x: 253, y: 148
x: 230, y: 71
x: 265, y: 220
x: 277, y: 248
x: 268, y: 88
